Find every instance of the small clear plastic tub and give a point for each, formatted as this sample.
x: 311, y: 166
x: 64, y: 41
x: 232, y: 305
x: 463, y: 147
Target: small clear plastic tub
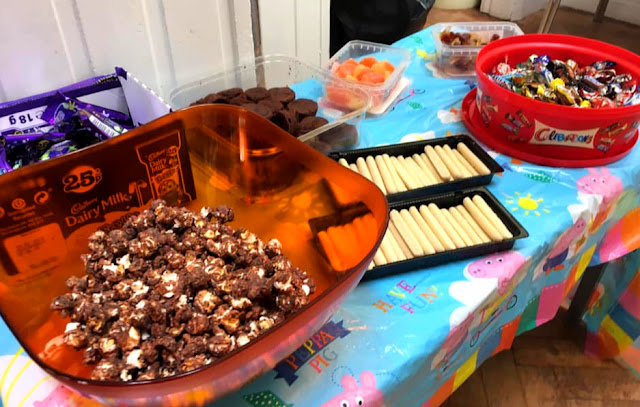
x: 357, y: 50
x: 460, y: 60
x: 307, y: 81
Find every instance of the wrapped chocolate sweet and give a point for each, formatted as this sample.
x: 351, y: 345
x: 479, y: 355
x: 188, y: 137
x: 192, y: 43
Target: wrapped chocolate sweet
x: 566, y: 83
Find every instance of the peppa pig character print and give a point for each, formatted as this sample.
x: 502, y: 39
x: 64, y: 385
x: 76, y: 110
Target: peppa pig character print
x: 366, y: 394
x: 602, y: 185
x: 560, y: 251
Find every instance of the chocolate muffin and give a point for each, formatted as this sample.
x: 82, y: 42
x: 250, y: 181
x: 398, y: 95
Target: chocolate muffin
x: 259, y: 109
x: 257, y: 94
x: 240, y: 100
x: 272, y: 104
x: 286, y: 121
x: 283, y: 95
x: 210, y: 98
x: 311, y: 123
x: 340, y: 137
x: 230, y: 93
x: 302, y: 108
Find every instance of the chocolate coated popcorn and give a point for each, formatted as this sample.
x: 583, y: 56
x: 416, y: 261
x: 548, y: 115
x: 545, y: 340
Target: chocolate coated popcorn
x: 175, y: 290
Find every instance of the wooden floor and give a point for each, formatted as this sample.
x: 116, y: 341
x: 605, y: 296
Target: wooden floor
x: 546, y: 368
x: 567, y: 21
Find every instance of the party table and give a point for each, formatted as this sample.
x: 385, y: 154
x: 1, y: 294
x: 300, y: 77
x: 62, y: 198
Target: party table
x: 412, y: 339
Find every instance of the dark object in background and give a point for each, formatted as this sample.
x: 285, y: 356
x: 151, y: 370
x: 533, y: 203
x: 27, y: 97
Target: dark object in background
x: 382, y: 21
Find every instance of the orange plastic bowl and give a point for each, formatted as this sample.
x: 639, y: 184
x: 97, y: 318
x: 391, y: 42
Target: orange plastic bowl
x: 549, y: 130
x: 274, y: 183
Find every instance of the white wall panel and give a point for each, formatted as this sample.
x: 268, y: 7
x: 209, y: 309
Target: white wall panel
x: 297, y: 28
x: 165, y: 43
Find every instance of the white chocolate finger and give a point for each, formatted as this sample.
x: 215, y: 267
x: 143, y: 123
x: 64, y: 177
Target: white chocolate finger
x: 375, y: 174
x: 387, y: 248
x: 484, y: 223
x: 438, y: 164
x: 405, y: 232
x: 454, y: 161
x: 493, y: 218
x: 424, y: 178
x: 406, y: 178
x: 473, y: 160
x: 399, y: 246
x: 463, y: 161
x: 354, y: 168
x: 400, y: 186
x: 484, y: 238
x: 422, y: 240
x: 469, y: 230
x: 389, y: 184
x: 426, y: 230
x: 343, y: 162
x: 456, y: 226
x: 453, y: 169
x: 433, y: 170
x: 429, y: 177
x: 410, y: 172
x: 362, y: 168
x: 372, y: 265
x: 435, y: 226
x: 448, y: 228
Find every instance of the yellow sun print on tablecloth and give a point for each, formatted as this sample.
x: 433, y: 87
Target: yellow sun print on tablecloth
x: 527, y: 203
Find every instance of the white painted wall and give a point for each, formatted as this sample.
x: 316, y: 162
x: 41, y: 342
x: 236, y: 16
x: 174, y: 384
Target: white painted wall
x: 296, y: 27
x: 51, y: 43
x: 512, y: 10
x: 623, y: 10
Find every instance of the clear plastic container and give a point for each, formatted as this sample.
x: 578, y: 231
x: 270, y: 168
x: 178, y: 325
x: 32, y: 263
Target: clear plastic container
x: 310, y: 82
x: 460, y: 60
x: 398, y: 57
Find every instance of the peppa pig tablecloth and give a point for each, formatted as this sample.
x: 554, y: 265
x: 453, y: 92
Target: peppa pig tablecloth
x: 412, y: 339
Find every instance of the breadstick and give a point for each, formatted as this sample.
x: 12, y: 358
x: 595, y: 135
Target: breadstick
x: 473, y: 160
x: 424, y: 178
x: 429, y: 177
x: 405, y: 232
x: 343, y: 162
x: 422, y: 240
x: 375, y: 174
x: 465, y: 163
x: 354, y: 168
x: 448, y: 228
x: 453, y: 169
x: 404, y: 175
x: 372, y: 265
x: 432, y: 169
x: 408, y: 171
x: 394, y: 174
x: 484, y: 223
x: 438, y: 164
x: 395, y: 244
x: 474, y: 225
x: 470, y: 231
x: 456, y: 226
x: 464, y: 173
x: 491, y: 215
x: 426, y: 230
x: 400, y: 240
x: 437, y: 229
x: 389, y: 184
x: 387, y: 248
x: 362, y: 168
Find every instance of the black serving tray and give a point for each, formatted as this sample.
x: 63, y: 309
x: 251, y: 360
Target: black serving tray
x: 417, y: 147
x: 442, y: 201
